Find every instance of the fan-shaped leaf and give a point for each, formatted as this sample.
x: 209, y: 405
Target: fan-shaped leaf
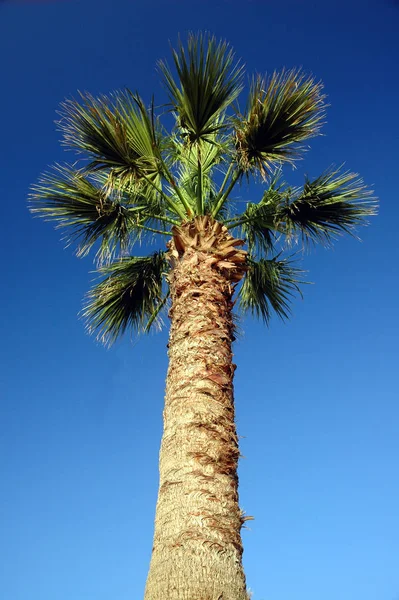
x: 282, y: 112
x: 90, y: 211
x: 331, y: 204
x: 128, y: 297
x: 269, y: 286
x: 116, y: 132
x: 207, y: 83
x: 258, y: 220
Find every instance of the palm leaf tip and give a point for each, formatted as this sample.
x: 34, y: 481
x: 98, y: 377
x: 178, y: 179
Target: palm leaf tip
x: 336, y: 202
x: 208, y: 82
x: 269, y: 286
x: 283, y: 111
x: 129, y: 296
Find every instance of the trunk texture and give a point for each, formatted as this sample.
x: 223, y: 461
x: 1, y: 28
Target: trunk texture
x: 197, y: 543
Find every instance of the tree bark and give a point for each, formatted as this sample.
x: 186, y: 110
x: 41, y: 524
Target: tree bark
x: 197, y: 542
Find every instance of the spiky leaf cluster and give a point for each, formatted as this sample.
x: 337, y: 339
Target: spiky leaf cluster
x: 282, y: 111
x: 269, y: 287
x: 130, y: 295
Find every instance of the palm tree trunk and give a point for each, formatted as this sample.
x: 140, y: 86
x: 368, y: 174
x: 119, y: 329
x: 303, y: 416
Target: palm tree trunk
x: 197, y: 543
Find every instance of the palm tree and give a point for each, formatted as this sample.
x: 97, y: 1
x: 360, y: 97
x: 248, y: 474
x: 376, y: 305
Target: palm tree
x: 136, y: 180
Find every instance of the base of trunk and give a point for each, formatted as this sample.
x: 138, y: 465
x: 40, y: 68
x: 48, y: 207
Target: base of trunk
x: 194, y: 575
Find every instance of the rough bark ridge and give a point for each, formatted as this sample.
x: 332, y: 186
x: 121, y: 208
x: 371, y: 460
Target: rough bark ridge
x: 197, y: 543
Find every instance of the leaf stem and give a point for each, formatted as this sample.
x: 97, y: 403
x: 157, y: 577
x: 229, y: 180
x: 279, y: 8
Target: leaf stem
x: 237, y: 223
x: 168, y: 233
x: 174, y: 207
x: 166, y: 220
x: 200, y: 201
x: 226, y: 194
x: 226, y: 177
x: 156, y: 312
x: 170, y: 179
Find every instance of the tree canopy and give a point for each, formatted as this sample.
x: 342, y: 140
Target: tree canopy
x: 134, y: 178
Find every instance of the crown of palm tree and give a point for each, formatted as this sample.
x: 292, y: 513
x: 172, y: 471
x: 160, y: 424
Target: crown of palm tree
x: 136, y: 179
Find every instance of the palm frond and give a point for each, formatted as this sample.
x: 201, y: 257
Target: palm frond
x: 257, y: 228
x: 257, y: 222
x: 155, y: 317
x: 207, y: 83
x: 117, y: 133
x: 210, y: 153
x: 283, y: 111
x: 195, y: 166
x: 336, y: 202
x: 89, y: 211
x: 269, y: 286
x: 128, y: 297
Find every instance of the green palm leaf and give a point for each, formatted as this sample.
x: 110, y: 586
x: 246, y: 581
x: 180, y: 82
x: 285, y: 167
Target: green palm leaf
x: 130, y: 296
x: 257, y: 222
x: 195, y: 166
x: 257, y: 228
x: 282, y: 112
x: 117, y: 133
x: 207, y: 83
x: 90, y: 211
x: 269, y: 286
x: 334, y: 203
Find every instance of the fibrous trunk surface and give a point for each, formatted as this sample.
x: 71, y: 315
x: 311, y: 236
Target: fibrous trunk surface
x: 197, y: 543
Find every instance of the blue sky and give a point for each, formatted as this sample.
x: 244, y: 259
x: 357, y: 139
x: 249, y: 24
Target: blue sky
x: 317, y: 406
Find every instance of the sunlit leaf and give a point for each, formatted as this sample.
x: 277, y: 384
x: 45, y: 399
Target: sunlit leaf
x: 207, y: 83
x: 336, y: 202
x: 283, y: 111
x: 269, y: 286
x: 128, y: 297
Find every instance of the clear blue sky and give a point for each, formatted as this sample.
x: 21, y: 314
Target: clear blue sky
x: 317, y: 399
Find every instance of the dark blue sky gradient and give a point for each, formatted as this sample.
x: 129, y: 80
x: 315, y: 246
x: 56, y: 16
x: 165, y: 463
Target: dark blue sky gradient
x: 317, y: 399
